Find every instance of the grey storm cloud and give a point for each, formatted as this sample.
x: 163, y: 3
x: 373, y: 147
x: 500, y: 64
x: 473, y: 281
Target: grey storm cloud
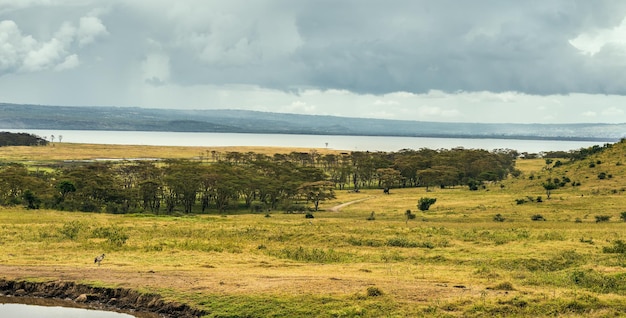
x: 115, y: 51
x: 381, y: 46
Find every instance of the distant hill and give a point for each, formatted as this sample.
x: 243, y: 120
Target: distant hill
x: 16, y: 116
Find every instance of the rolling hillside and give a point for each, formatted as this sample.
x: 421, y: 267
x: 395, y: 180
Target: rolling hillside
x: 14, y: 116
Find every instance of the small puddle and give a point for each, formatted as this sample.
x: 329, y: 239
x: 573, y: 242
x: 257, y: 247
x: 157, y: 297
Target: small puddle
x: 25, y: 307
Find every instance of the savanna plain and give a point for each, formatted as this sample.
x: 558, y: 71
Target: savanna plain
x: 506, y: 249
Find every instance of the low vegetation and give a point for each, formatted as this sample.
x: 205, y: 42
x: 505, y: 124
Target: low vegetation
x: 475, y: 252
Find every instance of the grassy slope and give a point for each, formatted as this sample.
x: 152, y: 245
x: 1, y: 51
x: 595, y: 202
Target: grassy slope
x: 452, y: 260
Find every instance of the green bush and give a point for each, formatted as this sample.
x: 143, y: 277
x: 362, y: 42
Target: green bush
x: 602, y: 218
x: 599, y: 282
x: 424, y: 203
x: 313, y: 255
x: 115, y: 236
x: 623, y: 216
x: 404, y: 242
x: 503, y: 286
x: 374, y: 292
x: 618, y: 247
x: 498, y: 218
x: 537, y: 217
x: 71, y: 229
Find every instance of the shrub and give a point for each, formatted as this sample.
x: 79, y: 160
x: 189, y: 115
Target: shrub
x: 372, y: 217
x: 313, y: 255
x: 539, y: 199
x: 374, y: 292
x: 424, y: 203
x: 71, y: 229
x: 602, y: 175
x: 403, y: 242
x: 623, y: 216
x: 520, y: 201
x: 618, y: 247
x: 473, y: 185
x: 114, y: 235
x: 537, y: 217
x: 499, y: 218
x: 31, y: 200
x: 309, y: 215
x: 598, y: 282
x: 503, y: 286
x: 602, y: 218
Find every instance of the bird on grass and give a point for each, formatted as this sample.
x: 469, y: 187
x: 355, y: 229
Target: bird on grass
x: 98, y: 259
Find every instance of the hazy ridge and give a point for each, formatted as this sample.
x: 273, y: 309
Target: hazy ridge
x: 16, y: 116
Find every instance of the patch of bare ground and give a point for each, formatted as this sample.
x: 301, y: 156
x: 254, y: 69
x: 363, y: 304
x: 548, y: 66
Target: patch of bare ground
x: 72, y: 282
x: 343, y: 205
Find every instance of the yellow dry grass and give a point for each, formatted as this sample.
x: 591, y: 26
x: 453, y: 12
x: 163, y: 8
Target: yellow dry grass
x: 72, y: 151
x: 453, y: 260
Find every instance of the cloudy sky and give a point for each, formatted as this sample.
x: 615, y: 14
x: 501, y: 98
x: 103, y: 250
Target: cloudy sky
x: 557, y: 61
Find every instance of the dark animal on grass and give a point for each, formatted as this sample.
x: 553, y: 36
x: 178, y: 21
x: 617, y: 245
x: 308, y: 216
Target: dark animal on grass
x: 98, y: 259
x: 386, y: 190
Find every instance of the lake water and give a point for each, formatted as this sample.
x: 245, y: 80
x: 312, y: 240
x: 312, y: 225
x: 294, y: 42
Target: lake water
x: 348, y: 143
x: 24, y: 311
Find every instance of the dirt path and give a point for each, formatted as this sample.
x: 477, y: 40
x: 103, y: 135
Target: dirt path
x: 339, y: 207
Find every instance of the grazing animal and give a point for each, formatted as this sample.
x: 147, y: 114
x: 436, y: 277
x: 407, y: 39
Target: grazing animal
x: 98, y: 259
x: 386, y: 190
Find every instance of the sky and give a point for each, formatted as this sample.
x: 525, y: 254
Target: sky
x: 495, y: 61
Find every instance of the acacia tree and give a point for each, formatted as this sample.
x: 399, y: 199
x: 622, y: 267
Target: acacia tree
x: 226, y: 187
x: 183, y: 181
x: 549, y: 186
x: 317, y: 191
x: 65, y: 187
x: 388, y: 177
x: 428, y: 177
x: 150, y: 192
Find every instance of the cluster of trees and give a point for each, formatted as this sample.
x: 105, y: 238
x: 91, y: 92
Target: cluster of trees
x: 20, y: 139
x: 237, y: 180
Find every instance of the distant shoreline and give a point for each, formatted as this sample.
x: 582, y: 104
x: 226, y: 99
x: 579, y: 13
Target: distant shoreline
x: 41, y: 117
x: 447, y: 136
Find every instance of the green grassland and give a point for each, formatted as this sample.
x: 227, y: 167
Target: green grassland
x: 473, y: 254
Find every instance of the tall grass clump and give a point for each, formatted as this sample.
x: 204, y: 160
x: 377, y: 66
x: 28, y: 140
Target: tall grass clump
x: 310, y: 255
x: 70, y: 230
x: 115, y: 236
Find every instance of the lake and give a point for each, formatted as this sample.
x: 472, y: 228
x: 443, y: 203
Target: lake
x: 22, y: 310
x: 348, y: 143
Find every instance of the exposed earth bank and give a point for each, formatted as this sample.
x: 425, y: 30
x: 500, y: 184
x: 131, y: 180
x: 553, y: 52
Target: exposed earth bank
x: 102, y: 298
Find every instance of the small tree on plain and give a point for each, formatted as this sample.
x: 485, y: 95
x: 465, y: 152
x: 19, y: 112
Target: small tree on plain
x: 409, y: 216
x: 549, y: 186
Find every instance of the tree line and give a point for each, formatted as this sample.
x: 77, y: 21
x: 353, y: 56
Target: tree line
x: 20, y: 139
x: 219, y: 182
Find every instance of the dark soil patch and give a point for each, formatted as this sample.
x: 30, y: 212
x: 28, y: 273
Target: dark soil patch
x: 122, y: 299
